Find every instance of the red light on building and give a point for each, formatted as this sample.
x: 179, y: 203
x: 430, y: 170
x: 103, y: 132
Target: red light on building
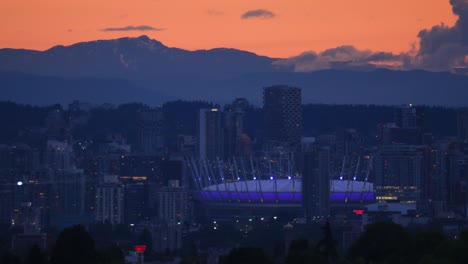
x: 358, y: 211
x: 140, y: 248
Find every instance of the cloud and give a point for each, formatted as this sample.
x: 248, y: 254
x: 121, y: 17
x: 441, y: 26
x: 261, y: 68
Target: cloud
x: 344, y: 57
x: 258, y: 13
x: 132, y: 28
x: 442, y: 47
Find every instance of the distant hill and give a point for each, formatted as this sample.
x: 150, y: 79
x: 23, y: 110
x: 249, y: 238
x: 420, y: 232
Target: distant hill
x: 44, y: 90
x: 142, y: 69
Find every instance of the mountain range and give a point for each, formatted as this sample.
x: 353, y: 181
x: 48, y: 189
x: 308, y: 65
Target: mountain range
x: 145, y: 70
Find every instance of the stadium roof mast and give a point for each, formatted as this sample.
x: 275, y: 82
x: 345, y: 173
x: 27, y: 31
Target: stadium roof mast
x: 355, y: 177
x: 369, y: 168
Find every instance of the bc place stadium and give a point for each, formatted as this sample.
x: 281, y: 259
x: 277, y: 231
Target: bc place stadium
x: 267, y: 185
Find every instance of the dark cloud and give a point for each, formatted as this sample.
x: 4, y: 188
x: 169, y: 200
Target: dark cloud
x: 132, y: 28
x: 442, y: 47
x: 344, y: 57
x: 258, y: 13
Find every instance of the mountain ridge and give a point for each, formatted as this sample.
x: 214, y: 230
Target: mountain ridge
x: 145, y: 65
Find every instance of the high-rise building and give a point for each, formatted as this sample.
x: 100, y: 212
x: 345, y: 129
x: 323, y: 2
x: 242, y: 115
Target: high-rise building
x: 400, y: 174
x: 109, y: 201
x: 462, y: 124
x: 151, y: 141
x: 59, y: 155
x: 141, y: 166
x: 233, y: 129
x: 409, y: 116
x: 136, y: 200
x: 210, y: 134
x: 282, y: 117
x: 408, y: 127
x: 450, y: 174
x: 171, y: 215
x: 390, y: 133
x: 69, y: 201
x: 348, y: 143
x: 316, y: 182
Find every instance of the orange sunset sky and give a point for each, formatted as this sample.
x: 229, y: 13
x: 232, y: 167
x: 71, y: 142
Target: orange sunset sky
x: 296, y: 25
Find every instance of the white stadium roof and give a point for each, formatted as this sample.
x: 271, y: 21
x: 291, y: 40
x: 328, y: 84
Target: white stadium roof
x: 285, y: 185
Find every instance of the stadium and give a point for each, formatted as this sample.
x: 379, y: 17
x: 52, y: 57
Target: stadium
x: 266, y: 186
x: 280, y: 191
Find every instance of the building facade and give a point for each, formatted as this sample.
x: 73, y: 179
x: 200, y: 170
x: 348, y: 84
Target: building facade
x: 151, y: 141
x: 210, y: 144
x: 282, y: 117
x: 316, y: 182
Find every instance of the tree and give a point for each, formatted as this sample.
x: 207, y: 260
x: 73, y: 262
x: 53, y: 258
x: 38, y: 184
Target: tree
x: 9, y: 258
x: 382, y: 242
x: 146, y: 239
x: 112, y: 255
x: 246, y: 255
x: 326, y: 247
x: 425, y: 244
x: 35, y: 256
x: 74, y: 246
x: 300, y: 252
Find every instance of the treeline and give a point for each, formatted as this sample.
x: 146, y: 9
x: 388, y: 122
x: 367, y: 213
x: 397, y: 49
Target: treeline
x: 94, y: 244
x: 180, y: 118
x: 380, y: 243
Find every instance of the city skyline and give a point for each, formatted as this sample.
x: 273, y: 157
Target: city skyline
x: 209, y: 131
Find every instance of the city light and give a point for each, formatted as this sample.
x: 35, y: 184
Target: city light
x: 140, y: 248
x: 19, y: 183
